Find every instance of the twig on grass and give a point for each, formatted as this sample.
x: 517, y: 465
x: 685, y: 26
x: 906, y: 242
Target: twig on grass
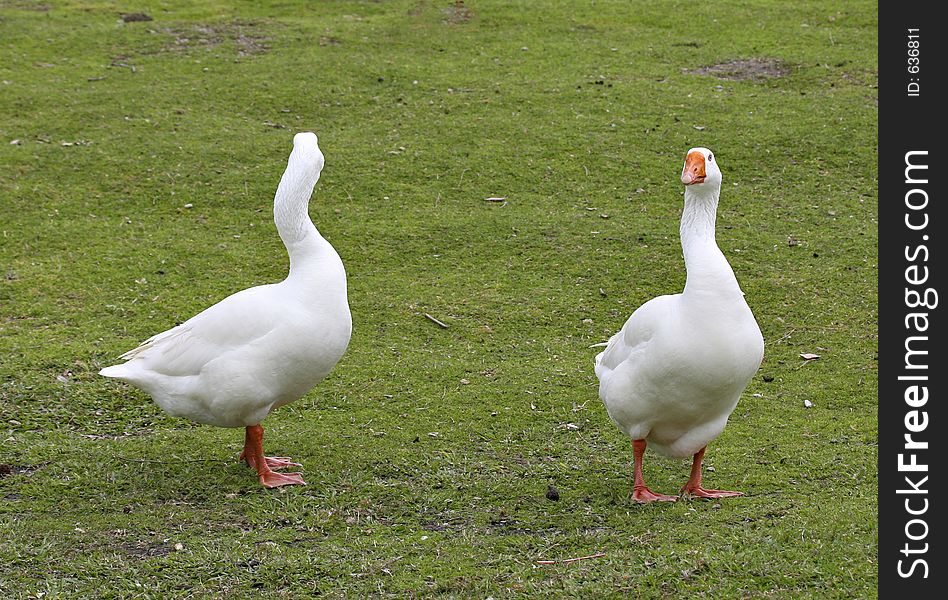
x: 570, y: 560
x: 436, y: 321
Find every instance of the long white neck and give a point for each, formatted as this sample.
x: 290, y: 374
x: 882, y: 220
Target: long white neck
x: 303, y: 242
x: 708, y: 269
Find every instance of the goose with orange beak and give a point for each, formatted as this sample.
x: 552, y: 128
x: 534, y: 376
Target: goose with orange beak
x: 673, y: 374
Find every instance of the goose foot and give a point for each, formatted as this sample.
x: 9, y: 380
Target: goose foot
x: 252, y: 454
x: 643, y: 495
x: 274, y: 462
x: 280, y: 462
x: 693, y: 487
x: 272, y: 479
x: 700, y: 492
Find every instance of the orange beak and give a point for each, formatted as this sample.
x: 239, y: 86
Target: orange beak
x: 694, y: 169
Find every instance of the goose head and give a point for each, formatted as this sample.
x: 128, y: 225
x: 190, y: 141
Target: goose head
x: 306, y: 152
x: 701, y: 170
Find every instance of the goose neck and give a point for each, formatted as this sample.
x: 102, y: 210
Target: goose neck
x: 709, y: 277
x: 303, y: 242
x: 697, y: 222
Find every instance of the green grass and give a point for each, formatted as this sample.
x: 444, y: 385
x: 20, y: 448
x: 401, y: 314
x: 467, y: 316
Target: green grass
x: 421, y: 484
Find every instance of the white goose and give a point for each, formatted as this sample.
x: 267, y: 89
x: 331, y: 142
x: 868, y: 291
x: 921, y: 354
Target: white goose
x: 674, y: 372
x: 264, y: 346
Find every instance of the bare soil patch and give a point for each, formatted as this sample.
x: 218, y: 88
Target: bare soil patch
x: 136, y: 17
x: 740, y: 70
x: 457, y: 13
x: 249, y: 38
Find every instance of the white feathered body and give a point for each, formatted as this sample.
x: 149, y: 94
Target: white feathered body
x: 232, y: 364
x: 264, y: 346
x: 674, y: 372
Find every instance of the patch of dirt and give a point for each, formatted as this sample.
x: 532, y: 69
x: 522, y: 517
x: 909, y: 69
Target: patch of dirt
x: 6, y: 470
x: 249, y: 38
x: 457, y: 13
x: 135, y: 17
x: 756, y: 69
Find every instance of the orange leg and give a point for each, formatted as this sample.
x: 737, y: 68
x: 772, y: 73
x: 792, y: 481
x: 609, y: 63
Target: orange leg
x: 253, y: 456
x: 640, y: 492
x: 693, y: 487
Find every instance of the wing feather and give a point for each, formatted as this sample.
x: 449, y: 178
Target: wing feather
x: 235, y: 322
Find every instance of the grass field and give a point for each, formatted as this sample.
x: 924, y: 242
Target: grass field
x: 138, y: 162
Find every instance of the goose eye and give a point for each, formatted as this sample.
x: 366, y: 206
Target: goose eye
x: 711, y: 157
